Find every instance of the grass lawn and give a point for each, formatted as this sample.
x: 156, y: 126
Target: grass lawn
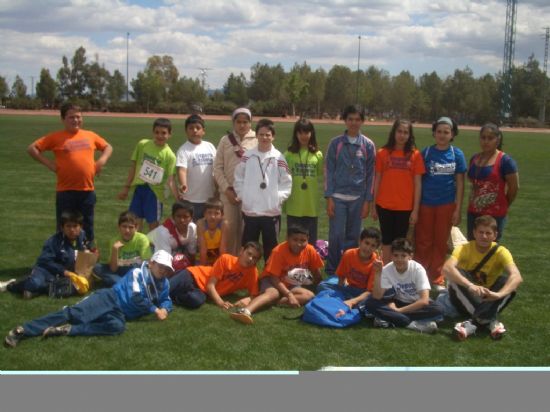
x: 207, y: 339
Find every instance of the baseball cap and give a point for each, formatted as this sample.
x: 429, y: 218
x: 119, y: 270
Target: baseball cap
x: 163, y: 258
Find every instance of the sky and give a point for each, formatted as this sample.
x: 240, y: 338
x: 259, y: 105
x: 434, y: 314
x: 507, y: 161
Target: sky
x: 229, y: 36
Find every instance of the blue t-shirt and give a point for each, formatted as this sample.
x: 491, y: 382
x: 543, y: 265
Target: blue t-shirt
x: 507, y: 166
x: 438, y: 183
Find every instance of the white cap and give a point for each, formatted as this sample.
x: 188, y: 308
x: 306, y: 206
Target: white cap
x: 163, y: 258
x: 241, y: 110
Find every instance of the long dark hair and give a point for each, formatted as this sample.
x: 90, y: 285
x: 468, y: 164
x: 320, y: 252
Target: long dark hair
x: 410, y: 145
x: 303, y: 125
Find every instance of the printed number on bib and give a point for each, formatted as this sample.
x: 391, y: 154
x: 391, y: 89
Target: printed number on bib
x: 151, y: 173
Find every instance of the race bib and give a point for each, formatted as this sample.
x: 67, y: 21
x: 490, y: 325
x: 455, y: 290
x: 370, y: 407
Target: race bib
x: 151, y: 173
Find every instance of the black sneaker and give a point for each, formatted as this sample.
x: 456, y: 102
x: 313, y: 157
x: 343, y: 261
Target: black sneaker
x: 52, y: 331
x: 14, y: 336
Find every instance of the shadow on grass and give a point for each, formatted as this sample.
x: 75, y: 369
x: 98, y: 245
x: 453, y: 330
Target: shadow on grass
x: 14, y: 272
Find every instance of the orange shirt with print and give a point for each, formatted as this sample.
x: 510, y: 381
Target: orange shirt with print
x: 74, y: 157
x: 282, y: 260
x: 230, y: 274
x: 396, y: 189
x: 357, y: 272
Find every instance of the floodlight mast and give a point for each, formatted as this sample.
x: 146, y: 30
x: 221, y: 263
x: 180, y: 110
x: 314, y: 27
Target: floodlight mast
x: 542, y: 116
x: 508, y: 61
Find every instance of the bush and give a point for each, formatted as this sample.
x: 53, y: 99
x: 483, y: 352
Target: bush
x: 219, y: 107
x: 529, y: 122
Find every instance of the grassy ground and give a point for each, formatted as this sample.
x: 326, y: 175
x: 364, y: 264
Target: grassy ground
x: 207, y: 339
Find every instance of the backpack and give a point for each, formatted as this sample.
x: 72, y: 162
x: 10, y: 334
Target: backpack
x: 328, y: 309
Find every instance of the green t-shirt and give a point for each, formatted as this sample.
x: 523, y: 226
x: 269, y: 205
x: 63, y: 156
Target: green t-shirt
x: 134, y: 252
x: 153, y: 166
x: 304, y: 202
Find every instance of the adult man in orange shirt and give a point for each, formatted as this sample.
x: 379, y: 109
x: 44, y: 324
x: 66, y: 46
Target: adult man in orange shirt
x: 74, y: 165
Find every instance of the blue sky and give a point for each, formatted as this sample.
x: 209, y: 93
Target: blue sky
x: 230, y: 36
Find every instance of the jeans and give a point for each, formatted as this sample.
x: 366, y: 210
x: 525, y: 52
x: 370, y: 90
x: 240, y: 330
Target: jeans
x: 96, y: 314
x: 108, y: 277
x: 343, y: 231
x: 81, y: 201
x: 184, y: 291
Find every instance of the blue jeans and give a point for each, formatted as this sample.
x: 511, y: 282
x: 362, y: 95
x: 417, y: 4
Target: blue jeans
x: 184, y: 291
x: 81, y: 201
x: 108, y: 277
x: 380, y: 309
x: 96, y: 314
x: 343, y: 231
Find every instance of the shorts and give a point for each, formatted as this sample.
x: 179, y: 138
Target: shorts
x: 145, y: 204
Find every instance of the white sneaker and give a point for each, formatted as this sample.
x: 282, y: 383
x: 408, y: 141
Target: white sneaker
x: 464, y: 329
x: 496, y: 330
x: 4, y: 285
x: 242, y: 315
x: 423, y: 327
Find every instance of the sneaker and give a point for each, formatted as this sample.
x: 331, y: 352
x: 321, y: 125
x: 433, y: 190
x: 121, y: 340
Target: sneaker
x: 464, y: 329
x: 496, y: 330
x: 14, y: 336
x: 52, y: 331
x: 27, y: 294
x: 423, y: 327
x: 381, y: 323
x: 242, y: 315
x: 4, y: 285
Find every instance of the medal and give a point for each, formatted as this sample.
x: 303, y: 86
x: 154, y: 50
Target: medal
x: 263, y: 185
x: 304, y: 186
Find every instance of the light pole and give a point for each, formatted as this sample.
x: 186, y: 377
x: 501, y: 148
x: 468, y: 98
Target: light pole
x: 127, y: 47
x: 358, y: 60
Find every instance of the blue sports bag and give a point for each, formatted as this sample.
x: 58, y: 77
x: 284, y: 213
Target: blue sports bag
x: 328, y: 309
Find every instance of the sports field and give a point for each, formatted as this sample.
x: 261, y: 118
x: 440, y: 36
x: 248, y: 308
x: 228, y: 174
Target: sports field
x: 207, y: 339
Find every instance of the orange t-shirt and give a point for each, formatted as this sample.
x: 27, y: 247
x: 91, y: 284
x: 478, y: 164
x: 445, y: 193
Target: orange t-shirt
x: 357, y: 272
x: 396, y: 189
x: 230, y: 274
x: 282, y: 260
x: 74, y: 157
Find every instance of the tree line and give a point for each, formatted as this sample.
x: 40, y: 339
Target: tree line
x: 271, y: 90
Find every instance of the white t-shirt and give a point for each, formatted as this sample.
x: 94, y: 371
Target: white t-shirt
x: 161, y: 238
x: 198, y: 159
x: 407, y: 284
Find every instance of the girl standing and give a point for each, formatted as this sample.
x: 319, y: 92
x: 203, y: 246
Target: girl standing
x: 305, y: 161
x: 441, y: 201
x: 397, y: 185
x: 495, y: 180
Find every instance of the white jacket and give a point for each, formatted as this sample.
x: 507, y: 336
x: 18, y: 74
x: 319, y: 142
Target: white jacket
x: 249, y: 175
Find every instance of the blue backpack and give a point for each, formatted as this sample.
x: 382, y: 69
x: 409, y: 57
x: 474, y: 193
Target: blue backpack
x: 328, y: 309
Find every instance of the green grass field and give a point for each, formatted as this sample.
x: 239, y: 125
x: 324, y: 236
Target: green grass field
x: 207, y: 339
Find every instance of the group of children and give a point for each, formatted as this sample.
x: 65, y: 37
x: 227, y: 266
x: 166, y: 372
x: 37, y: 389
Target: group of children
x: 191, y: 259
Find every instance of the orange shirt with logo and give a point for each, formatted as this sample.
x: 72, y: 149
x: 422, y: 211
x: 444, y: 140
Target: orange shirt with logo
x: 396, y: 189
x: 282, y: 260
x: 74, y: 157
x: 357, y: 272
x: 230, y: 274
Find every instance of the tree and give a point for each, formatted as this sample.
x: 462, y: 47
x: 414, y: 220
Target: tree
x: 3, y: 89
x: 528, y: 83
x: 188, y: 91
x: 402, y: 93
x: 431, y: 86
x: 340, y: 88
x: 296, y: 88
x: 459, y: 95
x: 18, y: 89
x: 147, y: 90
x: 235, y: 89
x: 380, y: 83
x: 116, y: 87
x: 164, y: 69
x: 78, y: 77
x: 266, y: 83
x: 316, y: 92
x: 64, y: 80
x: 96, y: 84
x: 46, y: 88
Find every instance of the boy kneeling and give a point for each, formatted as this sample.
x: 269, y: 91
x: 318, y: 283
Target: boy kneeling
x: 401, y: 293
x: 477, y: 286
x: 292, y: 265
x: 140, y: 292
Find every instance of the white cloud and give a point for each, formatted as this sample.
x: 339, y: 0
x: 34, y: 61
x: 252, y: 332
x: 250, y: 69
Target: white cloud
x: 230, y: 36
